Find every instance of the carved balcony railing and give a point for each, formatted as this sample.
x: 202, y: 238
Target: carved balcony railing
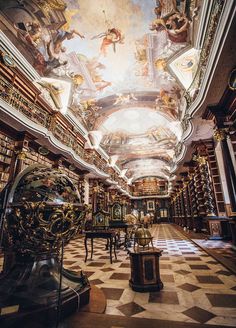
x: 55, y: 122
x: 17, y: 100
x: 149, y: 193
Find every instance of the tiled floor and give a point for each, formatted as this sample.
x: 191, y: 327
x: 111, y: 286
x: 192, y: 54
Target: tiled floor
x: 197, y: 288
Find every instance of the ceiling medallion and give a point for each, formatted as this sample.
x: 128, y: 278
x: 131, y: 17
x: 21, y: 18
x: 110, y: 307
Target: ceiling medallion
x: 72, y: 167
x: 7, y: 59
x: 43, y: 151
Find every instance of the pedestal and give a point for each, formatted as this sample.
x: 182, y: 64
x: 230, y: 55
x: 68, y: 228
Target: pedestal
x: 217, y: 232
x: 145, y: 272
x: 31, y: 290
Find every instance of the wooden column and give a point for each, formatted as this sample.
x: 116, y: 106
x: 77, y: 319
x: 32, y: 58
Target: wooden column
x: 209, y: 173
x: 186, y: 200
x: 221, y: 136
x: 224, y: 116
x: 199, y: 209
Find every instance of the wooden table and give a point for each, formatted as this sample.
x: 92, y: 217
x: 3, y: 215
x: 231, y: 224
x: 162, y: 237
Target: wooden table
x: 109, y: 235
x: 122, y: 225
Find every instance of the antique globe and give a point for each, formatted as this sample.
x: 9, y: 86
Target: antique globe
x: 142, y: 237
x: 43, y: 213
x: 44, y: 210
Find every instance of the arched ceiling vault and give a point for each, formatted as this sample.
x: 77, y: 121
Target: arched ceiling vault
x: 122, y: 68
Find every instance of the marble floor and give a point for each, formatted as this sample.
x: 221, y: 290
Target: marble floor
x: 197, y: 288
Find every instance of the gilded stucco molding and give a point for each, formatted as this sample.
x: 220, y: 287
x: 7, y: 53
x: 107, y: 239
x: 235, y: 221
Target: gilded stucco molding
x: 209, y: 39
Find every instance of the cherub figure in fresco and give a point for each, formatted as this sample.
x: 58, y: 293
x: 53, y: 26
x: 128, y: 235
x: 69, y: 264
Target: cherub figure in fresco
x: 124, y: 99
x: 177, y: 28
x: 168, y: 102
x: 166, y: 99
x: 111, y: 37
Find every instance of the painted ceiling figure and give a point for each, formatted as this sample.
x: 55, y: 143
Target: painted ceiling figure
x: 111, y: 37
x: 95, y: 67
x: 177, y: 28
x: 61, y: 36
x: 124, y: 99
x: 166, y: 7
x: 55, y: 49
x: 55, y: 92
x: 30, y: 33
x: 45, y: 49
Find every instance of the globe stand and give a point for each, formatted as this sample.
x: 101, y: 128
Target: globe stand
x: 31, y: 289
x: 145, y: 272
x: 144, y: 263
x: 143, y: 243
x: 40, y: 212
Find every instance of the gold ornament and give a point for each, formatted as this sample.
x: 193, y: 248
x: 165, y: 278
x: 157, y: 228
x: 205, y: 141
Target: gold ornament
x: 202, y: 160
x: 220, y: 134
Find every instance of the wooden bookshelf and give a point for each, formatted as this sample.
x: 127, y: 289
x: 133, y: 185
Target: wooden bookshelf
x: 6, y: 153
x: 215, y: 180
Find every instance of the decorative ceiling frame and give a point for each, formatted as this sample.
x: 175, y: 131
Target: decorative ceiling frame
x: 7, y: 112
x: 218, y: 16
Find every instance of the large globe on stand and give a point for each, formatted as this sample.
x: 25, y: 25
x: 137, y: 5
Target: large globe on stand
x: 44, y: 212
x: 44, y: 209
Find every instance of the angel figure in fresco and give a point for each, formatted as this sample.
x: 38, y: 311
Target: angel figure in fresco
x: 177, y: 28
x: 124, y: 99
x: 30, y: 33
x: 165, y: 7
x: 167, y: 101
x: 111, y: 37
x: 63, y: 35
x: 95, y: 67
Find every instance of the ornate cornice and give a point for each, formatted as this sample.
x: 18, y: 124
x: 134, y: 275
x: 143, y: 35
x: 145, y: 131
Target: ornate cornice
x: 214, y: 17
x: 221, y: 14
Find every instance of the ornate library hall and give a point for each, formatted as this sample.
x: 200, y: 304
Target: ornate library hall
x: 117, y: 164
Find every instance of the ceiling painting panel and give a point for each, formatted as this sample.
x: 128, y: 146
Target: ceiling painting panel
x: 109, y: 63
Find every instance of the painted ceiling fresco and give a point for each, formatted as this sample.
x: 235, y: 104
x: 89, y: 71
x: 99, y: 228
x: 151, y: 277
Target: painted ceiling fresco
x: 119, y: 67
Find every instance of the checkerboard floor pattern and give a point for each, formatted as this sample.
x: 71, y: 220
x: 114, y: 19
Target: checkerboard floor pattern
x: 197, y: 288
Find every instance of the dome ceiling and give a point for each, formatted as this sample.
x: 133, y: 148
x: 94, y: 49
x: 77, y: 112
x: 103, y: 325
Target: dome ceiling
x: 118, y: 67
